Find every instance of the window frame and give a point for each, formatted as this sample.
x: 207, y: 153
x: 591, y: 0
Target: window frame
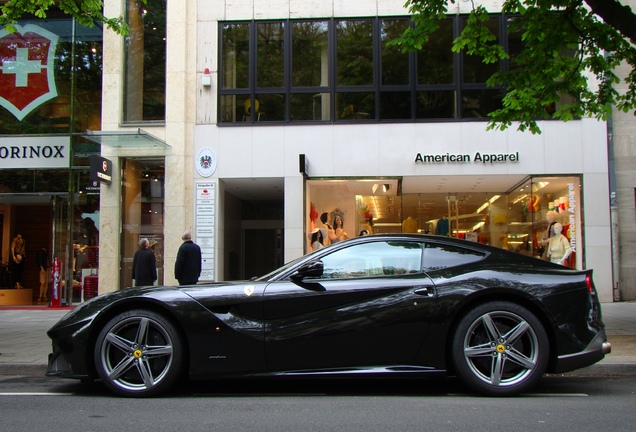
x: 334, y: 90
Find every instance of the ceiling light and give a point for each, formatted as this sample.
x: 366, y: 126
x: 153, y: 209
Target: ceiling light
x: 522, y: 197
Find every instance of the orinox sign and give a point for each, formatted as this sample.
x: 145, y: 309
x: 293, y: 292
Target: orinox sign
x: 34, y: 152
x: 484, y: 158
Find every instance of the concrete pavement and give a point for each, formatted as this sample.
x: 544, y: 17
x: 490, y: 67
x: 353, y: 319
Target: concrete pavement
x: 24, y: 345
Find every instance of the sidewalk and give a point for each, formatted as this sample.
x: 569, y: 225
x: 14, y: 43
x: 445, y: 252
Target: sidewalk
x: 24, y: 345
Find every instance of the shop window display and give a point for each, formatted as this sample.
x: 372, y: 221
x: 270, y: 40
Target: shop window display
x: 519, y: 220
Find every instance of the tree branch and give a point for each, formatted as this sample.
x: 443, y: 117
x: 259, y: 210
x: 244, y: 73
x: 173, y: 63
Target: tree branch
x: 619, y: 16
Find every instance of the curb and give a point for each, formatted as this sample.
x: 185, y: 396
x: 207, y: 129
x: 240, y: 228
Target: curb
x: 22, y: 369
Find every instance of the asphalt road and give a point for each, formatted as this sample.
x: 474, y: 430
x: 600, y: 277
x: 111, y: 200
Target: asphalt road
x: 568, y: 403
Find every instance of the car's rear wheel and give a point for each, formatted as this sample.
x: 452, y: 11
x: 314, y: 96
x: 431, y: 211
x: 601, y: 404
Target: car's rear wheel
x: 139, y: 353
x: 500, y: 349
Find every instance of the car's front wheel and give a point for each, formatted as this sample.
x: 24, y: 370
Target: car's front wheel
x: 500, y: 349
x: 139, y: 353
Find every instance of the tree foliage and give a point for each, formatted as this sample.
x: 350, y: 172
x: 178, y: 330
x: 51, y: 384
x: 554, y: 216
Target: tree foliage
x: 564, y: 44
x: 86, y: 12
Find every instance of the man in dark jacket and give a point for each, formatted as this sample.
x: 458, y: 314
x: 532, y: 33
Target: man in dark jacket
x: 187, y: 268
x: 144, y: 268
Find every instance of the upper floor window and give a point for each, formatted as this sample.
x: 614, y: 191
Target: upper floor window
x: 145, y: 62
x: 345, y: 70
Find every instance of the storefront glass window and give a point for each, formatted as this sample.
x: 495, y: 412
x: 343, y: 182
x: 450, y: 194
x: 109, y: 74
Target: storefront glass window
x: 64, y: 66
x: 142, y: 213
x: 517, y: 220
x: 145, y: 62
x: 33, y: 181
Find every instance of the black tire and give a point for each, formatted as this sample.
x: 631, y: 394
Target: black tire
x: 139, y: 353
x: 500, y: 349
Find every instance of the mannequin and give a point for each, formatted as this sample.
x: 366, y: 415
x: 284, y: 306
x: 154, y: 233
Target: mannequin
x: 43, y: 262
x: 328, y: 233
x: 558, y: 246
x: 339, y: 231
x: 316, y: 239
x: 550, y: 216
x: 442, y: 226
x: 18, y: 255
x: 544, y: 238
x: 409, y: 225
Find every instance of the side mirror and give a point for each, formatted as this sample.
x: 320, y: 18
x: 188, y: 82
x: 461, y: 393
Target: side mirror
x: 311, y: 269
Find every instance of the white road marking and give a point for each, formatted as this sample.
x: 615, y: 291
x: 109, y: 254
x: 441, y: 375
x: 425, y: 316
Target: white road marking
x: 35, y: 394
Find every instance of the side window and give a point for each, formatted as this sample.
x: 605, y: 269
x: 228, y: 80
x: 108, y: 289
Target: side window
x: 441, y: 256
x: 373, y: 259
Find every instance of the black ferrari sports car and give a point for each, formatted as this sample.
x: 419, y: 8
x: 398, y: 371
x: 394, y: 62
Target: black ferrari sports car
x: 398, y: 305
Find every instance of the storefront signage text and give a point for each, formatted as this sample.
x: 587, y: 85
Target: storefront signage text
x: 31, y: 152
x: 34, y: 152
x: 465, y: 158
x: 571, y: 210
x: 101, y: 169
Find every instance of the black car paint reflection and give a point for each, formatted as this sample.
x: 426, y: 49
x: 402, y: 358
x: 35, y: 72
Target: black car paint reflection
x: 383, y: 304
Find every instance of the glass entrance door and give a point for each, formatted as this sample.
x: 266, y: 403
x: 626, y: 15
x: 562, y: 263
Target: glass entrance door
x: 61, y: 288
x: 142, y: 213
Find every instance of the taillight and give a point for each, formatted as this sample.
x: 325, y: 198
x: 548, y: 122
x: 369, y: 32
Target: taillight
x: 589, y: 283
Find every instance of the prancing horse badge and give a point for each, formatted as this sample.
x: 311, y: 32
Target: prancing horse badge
x: 248, y: 290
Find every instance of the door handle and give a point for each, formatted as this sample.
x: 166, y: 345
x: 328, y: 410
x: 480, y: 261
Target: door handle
x: 423, y: 291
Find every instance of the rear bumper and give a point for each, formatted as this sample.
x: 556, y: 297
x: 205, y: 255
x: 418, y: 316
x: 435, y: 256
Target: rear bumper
x: 593, y: 353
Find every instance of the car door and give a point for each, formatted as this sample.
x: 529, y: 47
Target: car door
x: 369, y: 308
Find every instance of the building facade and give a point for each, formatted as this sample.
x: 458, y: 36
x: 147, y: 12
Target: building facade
x: 623, y: 199
x: 50, y: 91
x: 250, y: 123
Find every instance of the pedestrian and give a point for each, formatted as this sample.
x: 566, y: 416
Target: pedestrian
x: 144, y: 268
x: 187, y: 267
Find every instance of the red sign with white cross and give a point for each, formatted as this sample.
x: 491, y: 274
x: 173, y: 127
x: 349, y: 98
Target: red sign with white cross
x: 27, y: 77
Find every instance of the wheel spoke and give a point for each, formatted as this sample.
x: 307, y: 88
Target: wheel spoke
x: 142, y: 331
x: 146, y: 373
x: 119, y: 342
x: 496, y: 373
x: 124, y: 365
x: 520, y: 359
x: 483, y: 350
x: 516, y: 332
x: 158, y: 351
x: 491, y: 328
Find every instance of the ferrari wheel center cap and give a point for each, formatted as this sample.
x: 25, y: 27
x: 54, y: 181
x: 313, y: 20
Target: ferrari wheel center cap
x: 501, y: 348
x: 137, y: 353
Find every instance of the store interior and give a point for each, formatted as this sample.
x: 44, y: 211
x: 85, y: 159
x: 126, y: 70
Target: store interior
x: 512, y: 215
